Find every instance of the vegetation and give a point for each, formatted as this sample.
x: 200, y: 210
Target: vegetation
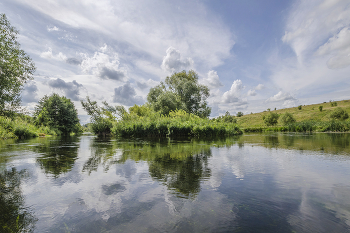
x: 309, y: 119
x: 339, y: 114
x: 16, y: 68
x: 299, y: 107
x: 287, y: 118
x: 180, y: 91
x: 239, y: 114
x: 320, y: 108
x: 57, y: 112
x: 271, y: 119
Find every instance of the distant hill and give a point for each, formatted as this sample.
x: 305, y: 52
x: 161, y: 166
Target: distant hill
x: 307, y: 113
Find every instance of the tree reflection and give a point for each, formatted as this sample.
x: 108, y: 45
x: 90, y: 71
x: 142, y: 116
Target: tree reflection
x: 14, y: 216
x: 58, y: 155
x: 179, y: 165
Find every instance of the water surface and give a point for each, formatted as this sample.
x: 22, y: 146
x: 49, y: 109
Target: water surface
x: 278, y: 182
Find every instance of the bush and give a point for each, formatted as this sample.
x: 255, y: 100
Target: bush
x: 339, y: 114
x: 271, y: 119
x: 239, y: 114
x: 299, y: 107
x: 287, y: 118
x: 334, y: 104
x: 320, y: 108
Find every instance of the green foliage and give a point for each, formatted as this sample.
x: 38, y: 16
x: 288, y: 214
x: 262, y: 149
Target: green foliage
x: 339, y: 114
x: 102, y: 118
x: 271, y: 119
x: 177, y: 123
x: 287, y: 118
x: 180, y: 91
x: 16, y: 68
x: 57, y: 112
x: 228, y: 118
x: 334, y: 104
x: 239, y: 114
x: 299, y: 107
x: 320, y: 108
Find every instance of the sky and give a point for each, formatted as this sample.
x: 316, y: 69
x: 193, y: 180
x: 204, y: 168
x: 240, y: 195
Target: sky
x: 253, y: 55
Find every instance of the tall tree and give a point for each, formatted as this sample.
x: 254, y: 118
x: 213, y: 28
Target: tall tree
x: 16, y: 67
x: 57, y: 112
x: 180, y: 91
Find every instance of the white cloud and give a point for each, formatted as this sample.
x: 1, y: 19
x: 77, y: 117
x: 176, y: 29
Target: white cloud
x: 212, y: 80
x: 251, y: 93
x: 339, y: 47
x: 234, y: 94
x: 290, y: 103
x: 173, y: 62
x: 104, y: 65
x: 49, y: 55
x: 54, y: 28
x: 259, y: 87
x: 280, y: 96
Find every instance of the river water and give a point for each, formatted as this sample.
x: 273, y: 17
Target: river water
x: 279, y: 182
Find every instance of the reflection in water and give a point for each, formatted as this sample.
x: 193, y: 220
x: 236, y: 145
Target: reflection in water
x: 228, y: 185
x: 57, y: 156
x: 14, y: 215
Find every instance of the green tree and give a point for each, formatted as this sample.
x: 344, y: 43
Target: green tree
x: 102, y: 117
x: 299, y: 107
x: 339, y: 114
x: 320, y: 108
x: 271, y: 119
x: 287, y: 118
x: 57, y: 112
x: 16, y: 68
x: 239, y: 114
x: 180, y: 91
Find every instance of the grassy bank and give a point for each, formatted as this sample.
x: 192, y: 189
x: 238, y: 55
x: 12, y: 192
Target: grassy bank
x: 177, y: 124
x: 22, y: 127
x: 308, y: 118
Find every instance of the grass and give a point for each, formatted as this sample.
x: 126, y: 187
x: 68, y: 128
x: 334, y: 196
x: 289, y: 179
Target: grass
x: 22, y: 127
x: 308, y: 117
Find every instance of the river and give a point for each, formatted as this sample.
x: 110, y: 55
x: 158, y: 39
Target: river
x: 277, y: 182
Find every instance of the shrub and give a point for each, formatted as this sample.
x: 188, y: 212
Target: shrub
x: 287, y: 118
x: 339, y: 114
x: 334, y: 104
x: 239, y: 114
x: 320, y: 108
x: 299, y: 107
x: 271, y: 119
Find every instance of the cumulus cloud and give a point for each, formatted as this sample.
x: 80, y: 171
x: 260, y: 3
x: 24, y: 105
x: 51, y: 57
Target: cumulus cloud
x: 280, y: 96
x: 126, y: 95
x: 259, y: 87
x: 104, y: 64
x: 290, y: 103
x: 234, y: 94
x: 49, y: 55
x: 212, y: 80
x: 251, y: 93
x: 173, y: 62
x: 29, y: 93
x: 71, y: 89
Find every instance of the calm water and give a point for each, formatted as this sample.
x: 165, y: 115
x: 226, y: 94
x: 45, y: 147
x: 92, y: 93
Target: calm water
x: 252, y: 183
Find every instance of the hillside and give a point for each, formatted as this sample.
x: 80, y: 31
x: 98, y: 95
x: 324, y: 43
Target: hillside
x: 307, y: 113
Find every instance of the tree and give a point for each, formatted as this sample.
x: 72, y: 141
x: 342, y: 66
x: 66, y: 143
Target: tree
x: 271, y: 119
x: 320, y: 108
x: 180, y: 91
x: 287, y: 118
x: 102, y: 117
x: 16, y: 68
x: 339, y: 114
x: 57, y: 112
x: 239, y: 114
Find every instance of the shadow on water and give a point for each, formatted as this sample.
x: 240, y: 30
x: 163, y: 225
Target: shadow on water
x: 15, y: 216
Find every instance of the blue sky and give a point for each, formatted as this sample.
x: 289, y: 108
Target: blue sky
x: 252, y: 54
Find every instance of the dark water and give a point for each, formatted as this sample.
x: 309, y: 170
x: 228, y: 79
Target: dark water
x: 251, y: 183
